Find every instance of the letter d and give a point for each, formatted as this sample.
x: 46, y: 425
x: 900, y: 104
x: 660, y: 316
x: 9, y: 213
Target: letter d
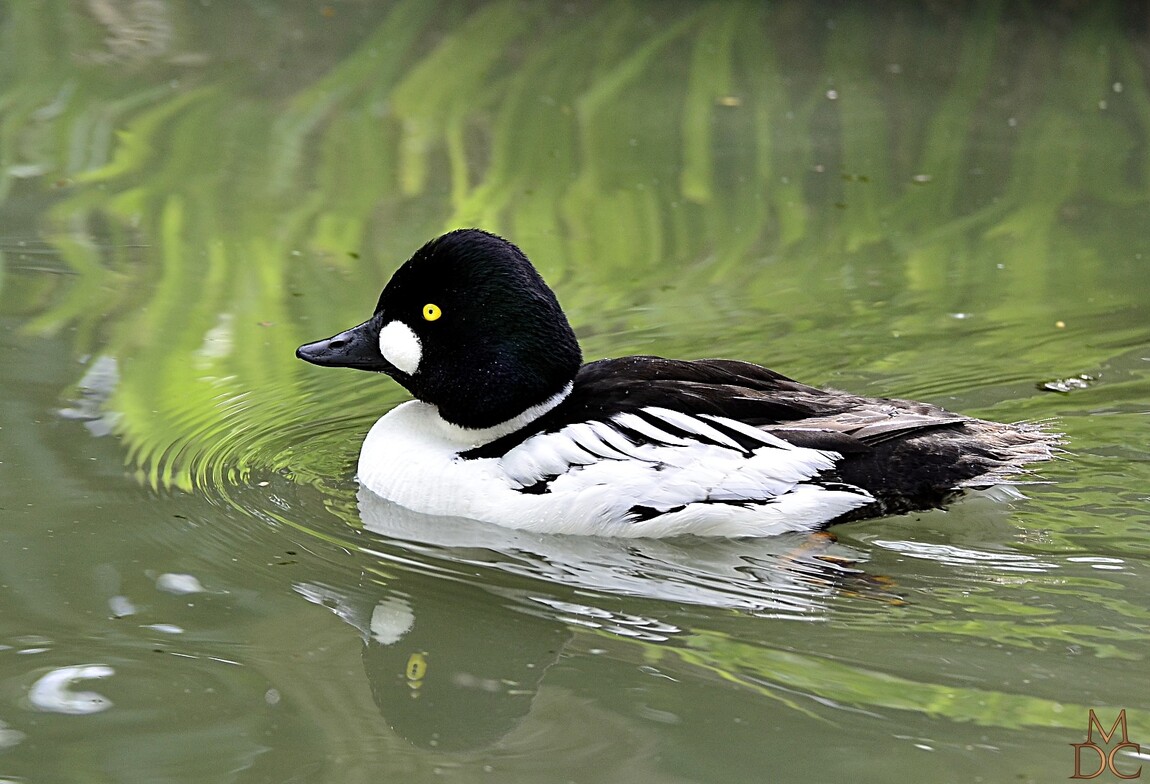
x: 1078, y: 747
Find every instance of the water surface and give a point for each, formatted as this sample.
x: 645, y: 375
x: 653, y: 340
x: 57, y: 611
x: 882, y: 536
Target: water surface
x: 945, y: 204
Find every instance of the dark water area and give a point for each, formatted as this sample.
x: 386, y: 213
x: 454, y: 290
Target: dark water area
x: 940, y: 202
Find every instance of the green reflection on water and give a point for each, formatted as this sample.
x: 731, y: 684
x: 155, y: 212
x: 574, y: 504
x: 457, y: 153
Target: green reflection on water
x: 838, y: 200
x: 694, y: 144
x: 734, y: 660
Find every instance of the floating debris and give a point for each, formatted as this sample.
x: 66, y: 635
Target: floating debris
x: 1064, y: 385
x: 53, y: 693
x: 179, y: 583
x: 93, y: 391
x: 121, y: 606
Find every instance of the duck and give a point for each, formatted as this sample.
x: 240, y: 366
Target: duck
x: 508, y: 425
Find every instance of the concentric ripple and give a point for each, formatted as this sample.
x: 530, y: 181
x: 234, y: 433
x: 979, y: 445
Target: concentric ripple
x: 287, y: 461
x: 284, y: 455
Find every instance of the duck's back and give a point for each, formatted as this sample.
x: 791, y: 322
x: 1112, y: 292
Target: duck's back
x: 906, y: 455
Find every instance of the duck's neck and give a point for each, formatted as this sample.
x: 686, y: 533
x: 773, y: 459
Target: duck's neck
x: 472, y: 437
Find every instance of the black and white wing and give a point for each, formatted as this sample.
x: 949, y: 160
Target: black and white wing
x: 658, y: 469
x: 754, y: 450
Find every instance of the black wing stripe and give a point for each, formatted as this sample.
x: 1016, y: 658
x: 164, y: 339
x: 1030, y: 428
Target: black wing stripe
x: 692, y: 428
x: 747, y: 441
x: 590, y: 438
x: 611, y: 435
x: 646, y: 430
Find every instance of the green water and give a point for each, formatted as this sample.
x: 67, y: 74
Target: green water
x: 947, y: 203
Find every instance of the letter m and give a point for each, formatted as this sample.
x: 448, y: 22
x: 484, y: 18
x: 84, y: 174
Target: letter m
x: 1106, y: 736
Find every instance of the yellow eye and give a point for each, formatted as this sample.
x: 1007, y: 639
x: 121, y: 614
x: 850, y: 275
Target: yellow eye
x: 431, y: 312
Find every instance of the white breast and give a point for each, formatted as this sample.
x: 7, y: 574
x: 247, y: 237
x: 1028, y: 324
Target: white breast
x: 627, y: 477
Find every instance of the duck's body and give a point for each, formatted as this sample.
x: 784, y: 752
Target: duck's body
x: 508, y: 427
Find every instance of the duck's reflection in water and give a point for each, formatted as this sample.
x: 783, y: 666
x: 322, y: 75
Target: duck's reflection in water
x: 456, y: 654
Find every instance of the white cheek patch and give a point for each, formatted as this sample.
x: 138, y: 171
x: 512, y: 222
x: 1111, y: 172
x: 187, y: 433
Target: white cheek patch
x: 400, y: 346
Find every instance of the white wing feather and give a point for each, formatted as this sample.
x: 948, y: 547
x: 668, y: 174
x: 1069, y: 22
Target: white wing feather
x: 693, y: 425
x: 674, y: 472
